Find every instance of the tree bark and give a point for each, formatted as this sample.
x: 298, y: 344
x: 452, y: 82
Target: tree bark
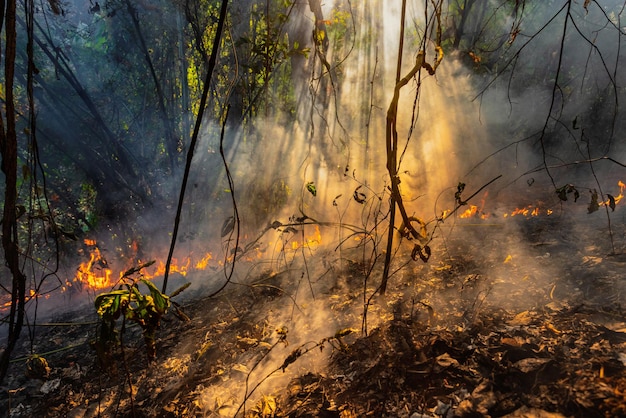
x: 8, y: 150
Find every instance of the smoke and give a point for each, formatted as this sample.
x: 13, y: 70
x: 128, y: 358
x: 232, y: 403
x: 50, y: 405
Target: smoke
x: 311, y: 185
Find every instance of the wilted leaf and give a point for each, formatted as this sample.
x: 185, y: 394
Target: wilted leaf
x: 310, y: 186
x: 295, y: 354
x: 420, y: 252
x: 358, y: 196
x: 228, y: 226
x: 276, y: 224
x: 562, y: 192
x: 335, y: 200
x: 611, y: 202
x: 593, y: 204
x: 457, y: 196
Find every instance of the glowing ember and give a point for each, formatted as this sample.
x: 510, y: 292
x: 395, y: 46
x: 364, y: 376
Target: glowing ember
x: 529, y: 211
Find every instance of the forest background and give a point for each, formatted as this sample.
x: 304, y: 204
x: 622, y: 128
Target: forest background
x: 257, y: 130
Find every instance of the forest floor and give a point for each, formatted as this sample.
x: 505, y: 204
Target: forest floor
x: 480, y: 330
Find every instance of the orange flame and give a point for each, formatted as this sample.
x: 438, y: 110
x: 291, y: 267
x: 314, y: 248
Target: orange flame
x: 470, y: 212
x: 95, y: 274
x: 310, y: 241
x: 529, y: 211
x: 617, y: 198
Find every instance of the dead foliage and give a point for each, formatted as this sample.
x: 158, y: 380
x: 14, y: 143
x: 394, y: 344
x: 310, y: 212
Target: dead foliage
x: 442, y: 344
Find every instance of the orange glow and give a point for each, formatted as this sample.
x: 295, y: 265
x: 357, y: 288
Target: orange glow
x: 619, y: 197
x: 474, y: 211
x: 310, y: 241
x: 470, y: 212
x: 95, y: 274
x: 529, y: 211
x: 204, y: 262
x: 181, y: 269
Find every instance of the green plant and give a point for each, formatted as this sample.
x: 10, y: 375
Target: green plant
x: 128, y: 302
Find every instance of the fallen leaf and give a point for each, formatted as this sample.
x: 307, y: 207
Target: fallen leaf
x: 522, y: 318
x: 241, y: 368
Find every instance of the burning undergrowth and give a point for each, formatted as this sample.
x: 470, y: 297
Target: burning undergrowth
x: 501, y: 301
x: 501, y: 319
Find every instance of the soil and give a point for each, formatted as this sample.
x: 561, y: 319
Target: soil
x: 479, y: 330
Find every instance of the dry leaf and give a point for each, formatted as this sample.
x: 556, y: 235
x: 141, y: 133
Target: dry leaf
x: 522, y: 318
x: 241, y: 368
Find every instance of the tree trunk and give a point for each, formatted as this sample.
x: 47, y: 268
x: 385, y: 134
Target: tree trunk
x: 8, y: 150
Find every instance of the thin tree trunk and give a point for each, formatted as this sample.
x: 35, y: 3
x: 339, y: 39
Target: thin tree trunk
x: 392, y: 157
x: 8, y: 149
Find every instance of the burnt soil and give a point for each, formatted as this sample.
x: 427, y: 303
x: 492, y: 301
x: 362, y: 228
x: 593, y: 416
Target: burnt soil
x: 476, y: 331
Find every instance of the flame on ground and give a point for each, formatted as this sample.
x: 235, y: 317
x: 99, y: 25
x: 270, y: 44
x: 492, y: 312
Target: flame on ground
x: 529, y: 211
x: 534, y: 210
x: 96, y: 274
x: 311, y: 241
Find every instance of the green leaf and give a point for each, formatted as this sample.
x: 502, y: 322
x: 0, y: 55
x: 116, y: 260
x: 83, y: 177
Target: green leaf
x: 161, y: 301
x: 108, y: 304
x: 310, y: 186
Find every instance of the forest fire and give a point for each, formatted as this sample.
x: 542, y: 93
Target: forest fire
x: 310, y: 241
x: 473, y: 212
x: 529, y: 211
x: 617, y: 198
x: 96, y: 274
x: 535, y: 210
